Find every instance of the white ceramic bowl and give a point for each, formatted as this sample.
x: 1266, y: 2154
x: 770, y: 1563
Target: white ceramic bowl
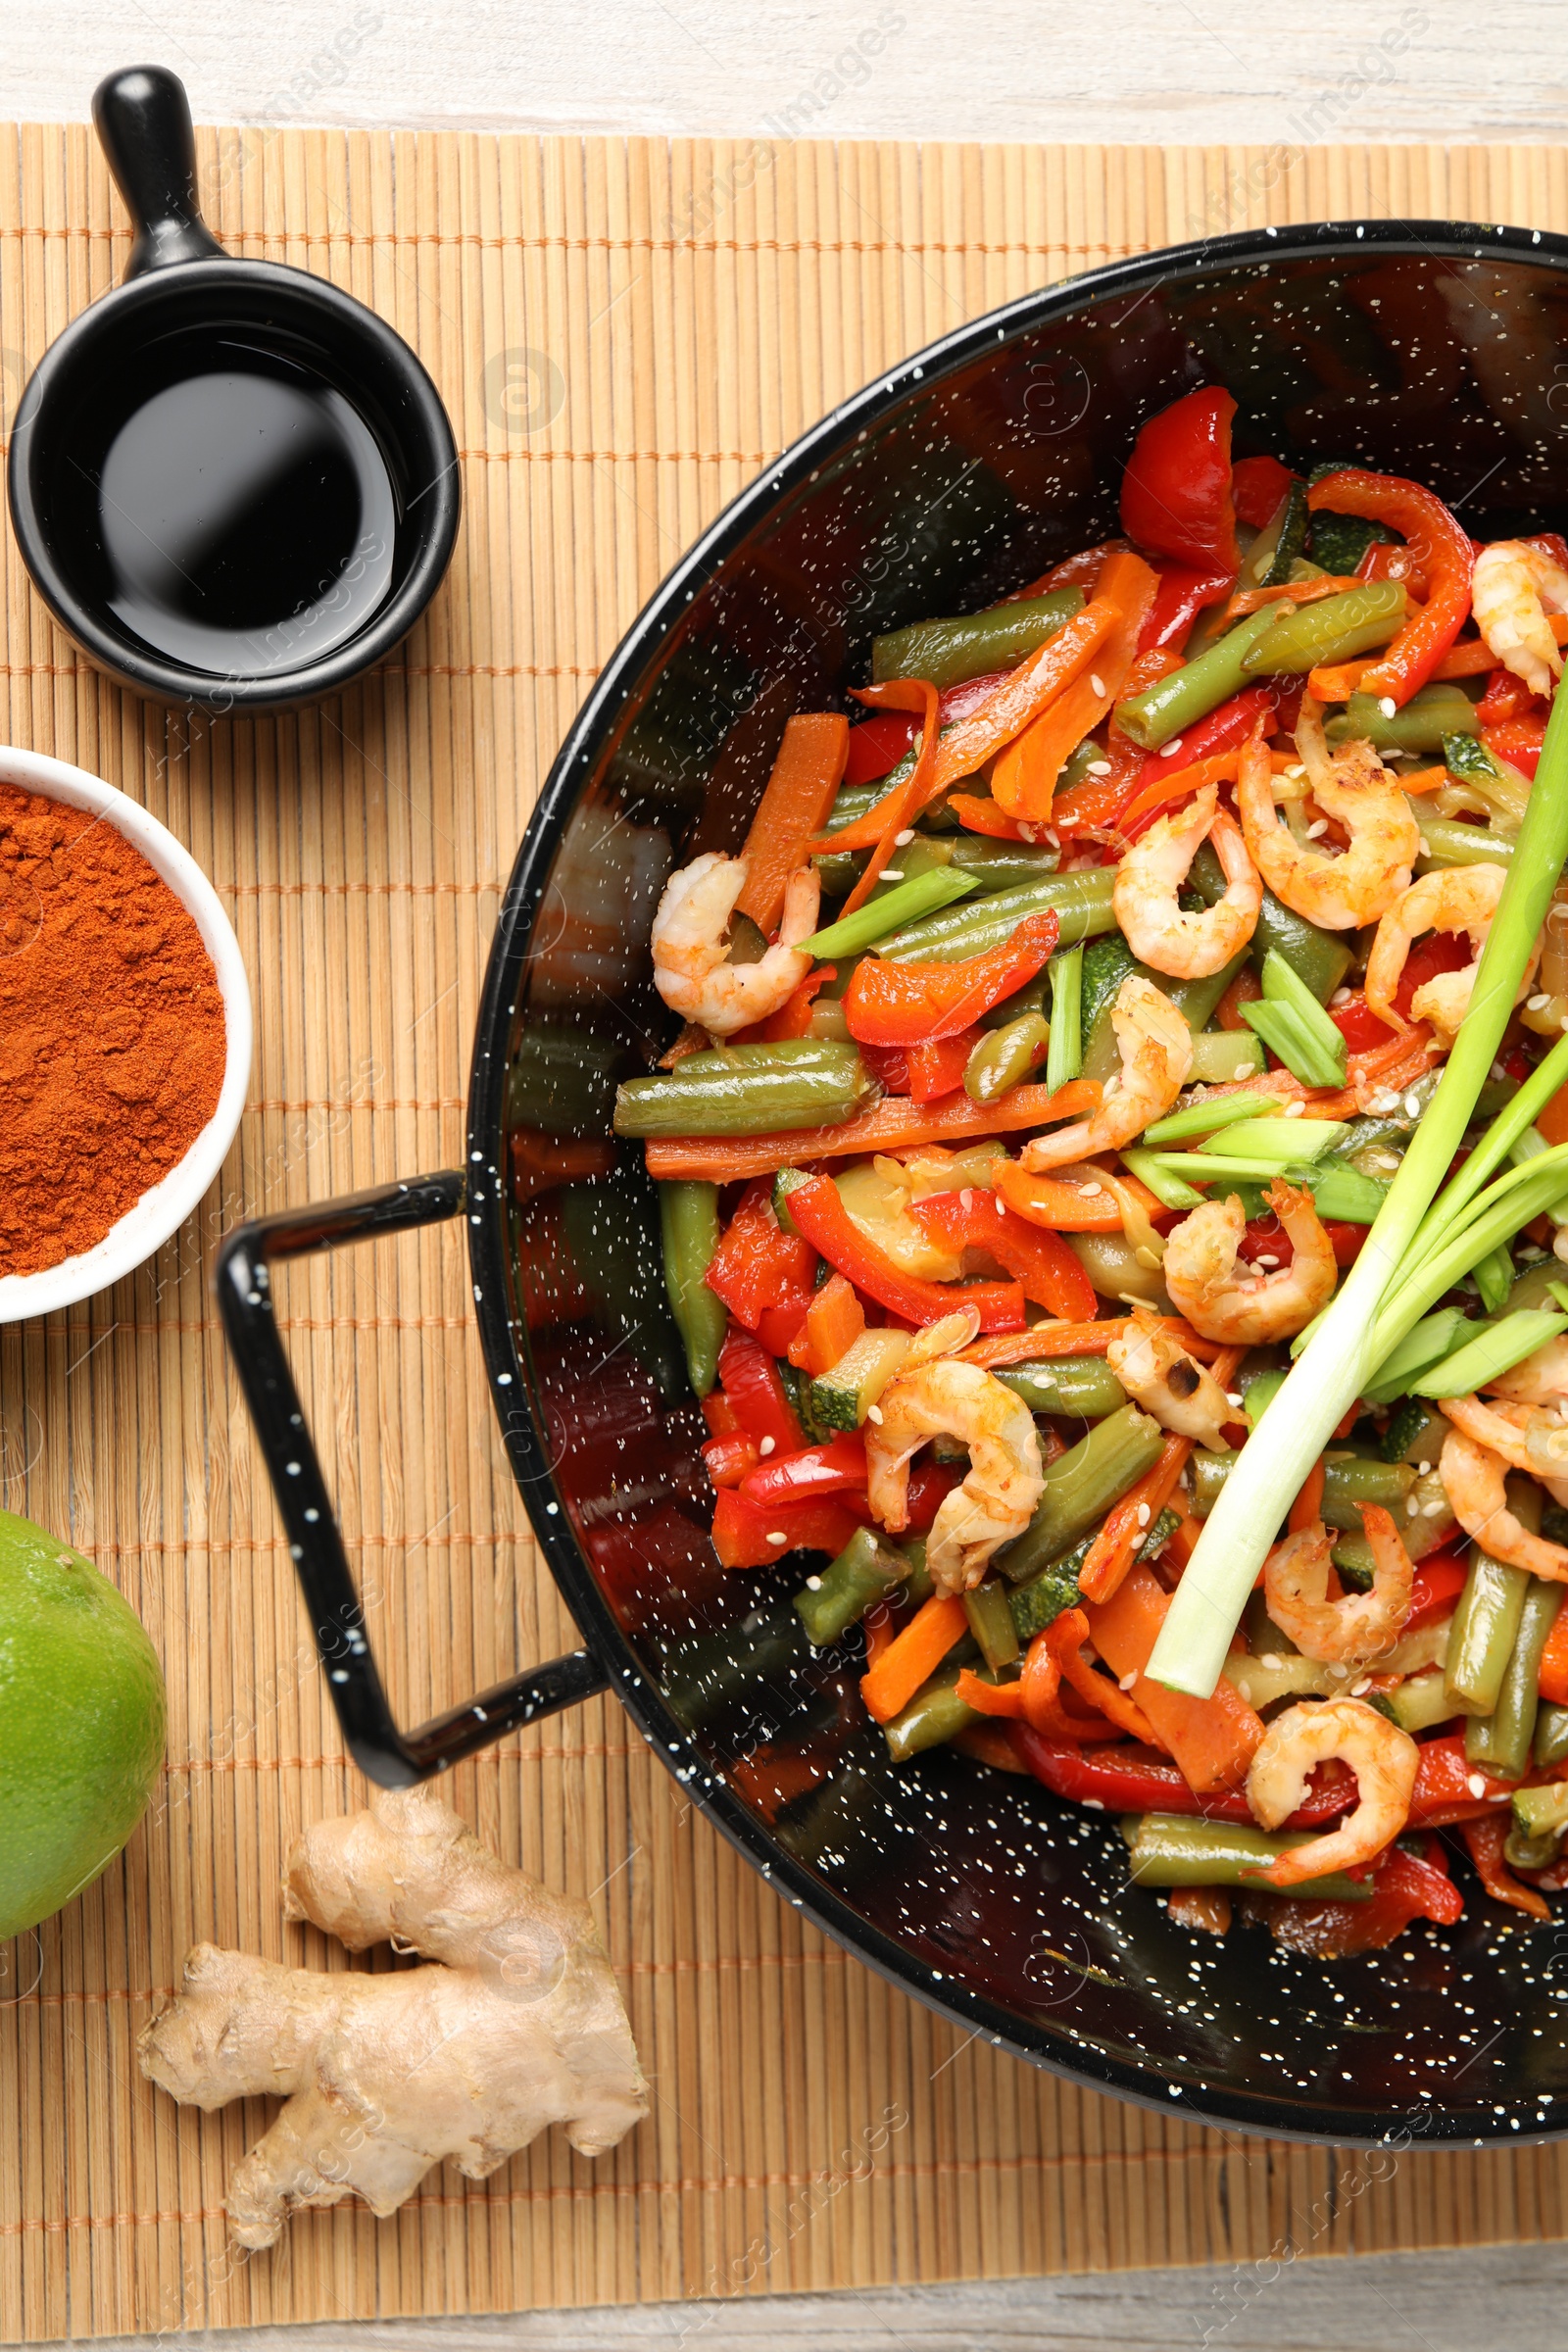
x: 160, y: 1211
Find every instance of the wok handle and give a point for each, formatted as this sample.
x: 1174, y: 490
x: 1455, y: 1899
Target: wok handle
x: 143, y: 120
x: 243, y: 1283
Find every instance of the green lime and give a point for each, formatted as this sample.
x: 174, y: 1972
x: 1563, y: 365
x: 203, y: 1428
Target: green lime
x: 82, y: 1723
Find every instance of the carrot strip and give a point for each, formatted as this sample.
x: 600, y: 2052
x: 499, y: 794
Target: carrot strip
x: 834, y: 1321
x: 1129, y: 1521
x: 1064, y: 1638
x: 1307, y: 1508
x: 1212, y: 1740
x: 879, y: 1634
x: 1218, y: 769
x: 990, y: 1698
x: 1300, y: 592
x: 1553, y: 1674
x: 894, y: 1124
x: 984, y: 816
x: 1023, y: 694
x: 916, y: 1653
x: 900, y: 808
x: 1024, y: 777
x: 1043, y: 1341
x: 798, y: 794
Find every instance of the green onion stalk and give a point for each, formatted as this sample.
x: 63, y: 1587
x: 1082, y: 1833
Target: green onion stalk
x: 1356, y: 1333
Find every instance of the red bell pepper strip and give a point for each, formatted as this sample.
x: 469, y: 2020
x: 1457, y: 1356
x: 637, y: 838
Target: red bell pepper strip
x: 1134, y: 1779
x: 1438, y: 544
x: 1519, y: 741
x: 1507, y: 697
x: 1435, y: 1589
x: 978, y: 1218
x: 1358, y: 1024
x: 759, y: 1264
x: 926, y: 1071
x: 1552, y: 1675
x: 794, y: 1016
x: 930, y: 1485
x: 1258, y: 488
x: 779, y: 1327
x: 746, y: 1538
x: 749, y: 1380
x: 826, y: 1223
x: 978, y: 815
x: 1183, y: 593
x: 878, y: 743
x: 1223, y: 730
x: 1176, y: 496
x: 903, y: 1004
x: 1486, y: 1840
x: 836, y: 1468
x: 1442, y: 1794
x: 728, y: 1460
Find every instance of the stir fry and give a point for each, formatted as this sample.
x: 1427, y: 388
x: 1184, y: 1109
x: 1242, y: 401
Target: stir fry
x: 1114, y: 1168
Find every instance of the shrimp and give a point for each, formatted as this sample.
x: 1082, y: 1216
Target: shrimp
x: 1525, y: 1435
x: 1513, y: 587
x: 1181, y: 1396
x: 690, y: 972
x: 1541, y: 1379
x: 1339, y: 891
x: 1005, y: 1478
x: 1249, y: 1310
x: 1189, y: 947
x: 1363, y: 1625
x: 1474, y: 1481
x: 1463, y: 898
x: 1383, y: 1758
x: 1157, y: 1054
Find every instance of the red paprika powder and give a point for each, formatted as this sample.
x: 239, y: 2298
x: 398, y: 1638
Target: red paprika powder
x: 112, y: 1032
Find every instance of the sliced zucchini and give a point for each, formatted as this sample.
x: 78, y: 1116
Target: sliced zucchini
x: 1421, y: 1700
x: 842, y: 1397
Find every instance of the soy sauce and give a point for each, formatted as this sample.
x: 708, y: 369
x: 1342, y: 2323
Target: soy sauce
x: 245, y: 513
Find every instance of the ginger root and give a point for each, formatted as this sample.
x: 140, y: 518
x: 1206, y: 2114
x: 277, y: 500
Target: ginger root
x: 521, y: 2026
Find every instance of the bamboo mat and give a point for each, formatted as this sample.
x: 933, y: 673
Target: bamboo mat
x: 623, y: 333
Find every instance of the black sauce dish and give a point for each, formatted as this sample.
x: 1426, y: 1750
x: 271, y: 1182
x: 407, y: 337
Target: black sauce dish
x: 233, y: 485
x: 1422, y: 348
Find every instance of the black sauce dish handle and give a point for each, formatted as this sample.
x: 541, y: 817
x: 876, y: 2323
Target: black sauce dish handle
x: 242, y: 1281
x: 143, y: 122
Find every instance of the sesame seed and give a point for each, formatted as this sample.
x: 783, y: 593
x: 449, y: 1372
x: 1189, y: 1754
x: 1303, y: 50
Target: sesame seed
x: 1388, y: 706
x: 813, y: 1583
x: 775, y: 1535
x: 767, y: 1446
x: 893, y: 873
x: 1537, y: 1002
x: 1476, y: 1783
x: 1315, y: 831
x: 1435, y: 1510
x: 1412, y: 1103
x: 966, y: 1197
x: 1295, y: 1110
x: 1426, y: 847
x: 902, y: 841
x: 1127, y: 1681
x: 873, y: 1412
x: 1143, y: 1514
x: 1166, y: 749
x: 1341, y: 996
x: 1096, y: 685
x: 1097, y: 767
x: 1266, y: 1262
x: 1412, y: 1509
x: 1090, y: 1190
x: 1232, y: 1397
x: 1269, y: 1661
x: 1360, y: 1689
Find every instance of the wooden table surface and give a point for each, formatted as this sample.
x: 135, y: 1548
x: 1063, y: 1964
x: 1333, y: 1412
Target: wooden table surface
x: 1221, y: 70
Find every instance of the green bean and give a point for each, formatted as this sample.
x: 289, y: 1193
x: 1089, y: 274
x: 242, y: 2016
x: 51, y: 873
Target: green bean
x: 1420, y: 726
x: 934, y: 1715
x: 1080, y: 1386
x: 1001, y: 864
x: 1551, y: 1733
x: 705, y: 1675
x: 1482, y: 1637
x: 1176, y: 1849
x: 1004, y: 1058
x: 906, y: 902
x: 750, y: 1090
x: 1501, y: 1741
x: 858, y: 800
x: 1447, y: 841
x: 1067, y: 1056
x: 991, y: 1622
x: 839, y: 871
x: 1334, y: 629
x: 1081, y: 902
x: 867, y: 1567
x: 688, y: 1223
x: 1082, y: 1485
x: 1178, y: 702
x: 927, y: 853
x: 1320, y: 959
x: 946, y: 653
x: 1347, y: 1483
